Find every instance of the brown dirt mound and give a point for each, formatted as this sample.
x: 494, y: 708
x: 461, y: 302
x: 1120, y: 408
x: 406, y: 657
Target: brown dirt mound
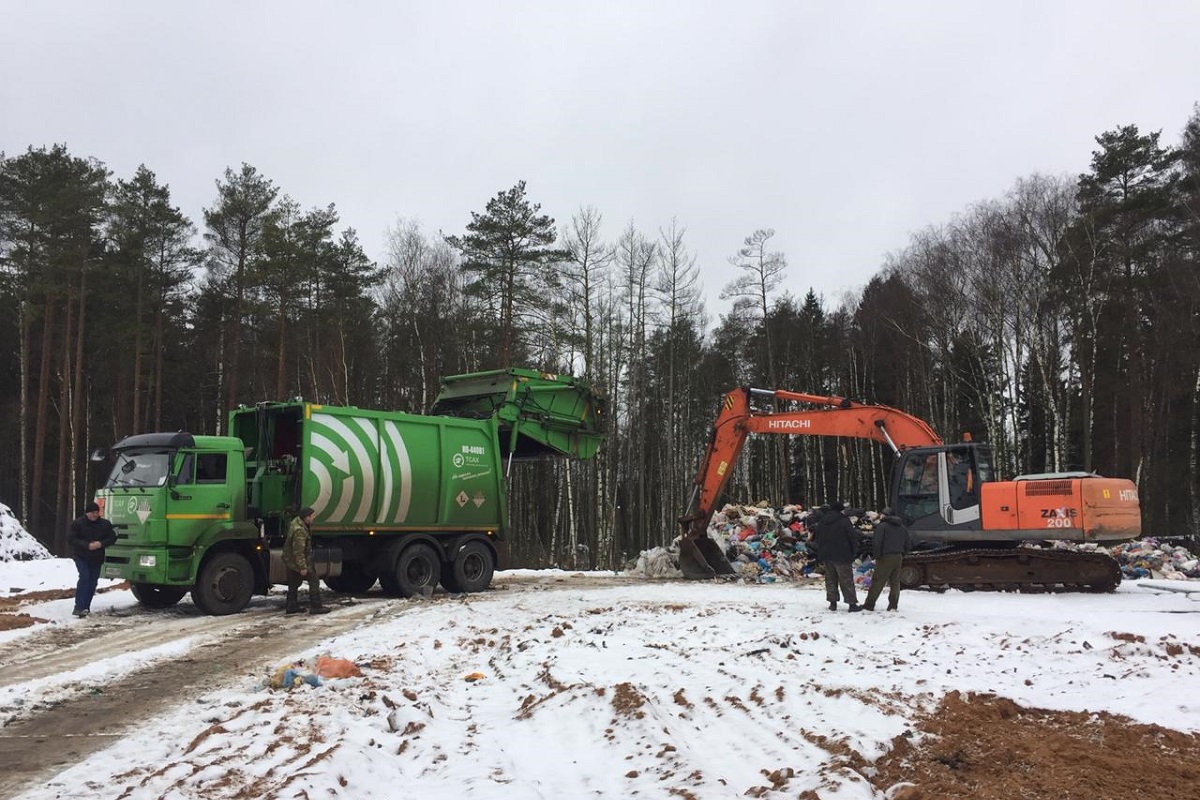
x: 985, y: 747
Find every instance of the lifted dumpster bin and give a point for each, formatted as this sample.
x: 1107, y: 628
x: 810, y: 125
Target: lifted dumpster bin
x: 539, y: 413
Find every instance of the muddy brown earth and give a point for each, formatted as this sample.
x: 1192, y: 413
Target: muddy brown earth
x: 972, y: 746
x: 984, y: 747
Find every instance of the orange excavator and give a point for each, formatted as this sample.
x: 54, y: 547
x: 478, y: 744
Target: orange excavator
x: 965, y: 525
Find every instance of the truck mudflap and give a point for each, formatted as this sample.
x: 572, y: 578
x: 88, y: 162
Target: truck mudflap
x: 701, y: 558
x: 1016, y: 569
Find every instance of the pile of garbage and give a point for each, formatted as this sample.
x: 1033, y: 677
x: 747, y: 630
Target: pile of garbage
x: 768, y: 545
x: 1147, y: 558
x: 764, y: 545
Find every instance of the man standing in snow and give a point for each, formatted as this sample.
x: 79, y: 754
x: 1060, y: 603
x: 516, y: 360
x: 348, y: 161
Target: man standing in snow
x: 837, y: 544
x: 88, y: 536
x: 890, y: 544
x: 297, y: 557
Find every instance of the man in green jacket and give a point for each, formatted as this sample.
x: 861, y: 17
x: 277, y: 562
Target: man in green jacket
x: 297, y: 557
x: 890, y: 545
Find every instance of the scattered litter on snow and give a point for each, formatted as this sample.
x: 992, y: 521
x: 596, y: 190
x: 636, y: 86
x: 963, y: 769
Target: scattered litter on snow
x: 289, y: 677
x: 330, y: 667
x: 601, y: 685
x: 312, y: 672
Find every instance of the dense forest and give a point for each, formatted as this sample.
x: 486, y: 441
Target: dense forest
x: 1060, y: 322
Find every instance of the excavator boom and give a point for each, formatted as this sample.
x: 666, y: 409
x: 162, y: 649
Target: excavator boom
x: 833, y: 416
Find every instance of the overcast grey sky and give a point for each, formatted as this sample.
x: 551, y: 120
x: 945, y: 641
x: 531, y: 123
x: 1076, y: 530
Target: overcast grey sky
x: 845, y: 126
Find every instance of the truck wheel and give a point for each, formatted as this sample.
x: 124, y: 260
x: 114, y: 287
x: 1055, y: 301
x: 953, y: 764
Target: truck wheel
x: 152, y: 595
x: 417, y: 570
x: 472, y: 568
x: 224, y: 585
x: 354, y: 579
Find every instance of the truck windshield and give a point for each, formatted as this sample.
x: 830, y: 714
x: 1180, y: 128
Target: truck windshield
x: 139, y: 468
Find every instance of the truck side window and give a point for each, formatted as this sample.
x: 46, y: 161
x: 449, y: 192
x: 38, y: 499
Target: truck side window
x: 187, y: 469
x: 210, y: 467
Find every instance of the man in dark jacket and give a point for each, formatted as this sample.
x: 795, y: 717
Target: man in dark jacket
x: 890, y: 545
x: 88, y: 536
x: 837, y: 544
x: 297, y: 557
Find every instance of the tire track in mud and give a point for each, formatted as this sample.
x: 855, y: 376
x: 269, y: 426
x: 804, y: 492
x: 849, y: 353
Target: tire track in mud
x: 104, y: 635
x: 35, y: 748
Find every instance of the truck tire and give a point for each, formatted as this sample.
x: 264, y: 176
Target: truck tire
x: 355, y: 579
x: 152, y: 595
x: 471, y: 570
x: 224, y: 584
x: 417, y: 571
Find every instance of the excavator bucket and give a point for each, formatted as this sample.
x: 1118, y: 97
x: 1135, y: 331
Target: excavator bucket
x: 701, y: 558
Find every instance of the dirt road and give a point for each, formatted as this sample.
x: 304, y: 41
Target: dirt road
x: 39, y: 740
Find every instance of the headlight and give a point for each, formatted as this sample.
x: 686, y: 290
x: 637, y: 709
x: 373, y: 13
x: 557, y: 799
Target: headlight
x: 147, y: 561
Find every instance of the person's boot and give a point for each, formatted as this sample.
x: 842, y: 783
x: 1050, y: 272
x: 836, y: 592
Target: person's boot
x: 868, y: 607
x: 855, y: 607
x: 294, y: 609
x: 833, y: 606
x: 891, y: 608
x: 319, y: 609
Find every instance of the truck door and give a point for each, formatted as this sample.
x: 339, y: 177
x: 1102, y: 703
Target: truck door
x: 200, y: 495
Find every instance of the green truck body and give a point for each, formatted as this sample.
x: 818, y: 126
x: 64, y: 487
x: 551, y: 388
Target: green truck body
x: 409, y: 500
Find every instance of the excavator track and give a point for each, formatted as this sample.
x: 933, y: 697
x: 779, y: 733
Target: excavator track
x: 1019, y: 569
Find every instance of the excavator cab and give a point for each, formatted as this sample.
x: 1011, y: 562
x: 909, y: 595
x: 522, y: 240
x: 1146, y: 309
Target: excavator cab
x: 937, y: 487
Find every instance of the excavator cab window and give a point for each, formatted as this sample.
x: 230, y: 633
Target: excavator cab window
x: 962, y: 478
x: 945, y: 481
x: 917, y: 494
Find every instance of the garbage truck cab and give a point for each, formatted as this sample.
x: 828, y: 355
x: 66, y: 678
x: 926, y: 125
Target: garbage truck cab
x: 171, y: 497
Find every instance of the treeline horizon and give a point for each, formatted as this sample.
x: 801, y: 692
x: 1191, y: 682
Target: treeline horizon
x: 1059, y: 322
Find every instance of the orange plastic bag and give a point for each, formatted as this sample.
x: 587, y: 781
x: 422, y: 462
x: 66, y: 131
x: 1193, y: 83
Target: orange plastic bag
x: 330, y: 667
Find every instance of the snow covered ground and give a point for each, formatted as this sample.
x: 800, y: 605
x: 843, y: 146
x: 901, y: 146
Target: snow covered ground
x: 565, y: 685
x: 558, y: 685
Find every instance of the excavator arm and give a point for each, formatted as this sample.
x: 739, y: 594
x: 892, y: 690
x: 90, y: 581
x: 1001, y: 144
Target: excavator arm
x: 832, y: 416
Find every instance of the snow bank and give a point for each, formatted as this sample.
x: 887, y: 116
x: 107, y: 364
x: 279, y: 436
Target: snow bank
x: 16, y: 543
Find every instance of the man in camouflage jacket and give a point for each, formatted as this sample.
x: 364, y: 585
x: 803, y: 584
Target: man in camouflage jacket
x: 298, y: 558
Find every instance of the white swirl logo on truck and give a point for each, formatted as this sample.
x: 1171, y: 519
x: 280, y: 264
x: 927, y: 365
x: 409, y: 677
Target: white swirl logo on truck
x: 346, y: 490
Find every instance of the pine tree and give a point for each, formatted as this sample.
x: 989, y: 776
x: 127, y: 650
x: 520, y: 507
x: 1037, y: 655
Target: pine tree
x: 510, y: 262
x: 236, y: 225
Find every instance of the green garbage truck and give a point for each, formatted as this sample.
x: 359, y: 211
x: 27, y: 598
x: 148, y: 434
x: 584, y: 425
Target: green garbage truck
x: 408, y: 500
